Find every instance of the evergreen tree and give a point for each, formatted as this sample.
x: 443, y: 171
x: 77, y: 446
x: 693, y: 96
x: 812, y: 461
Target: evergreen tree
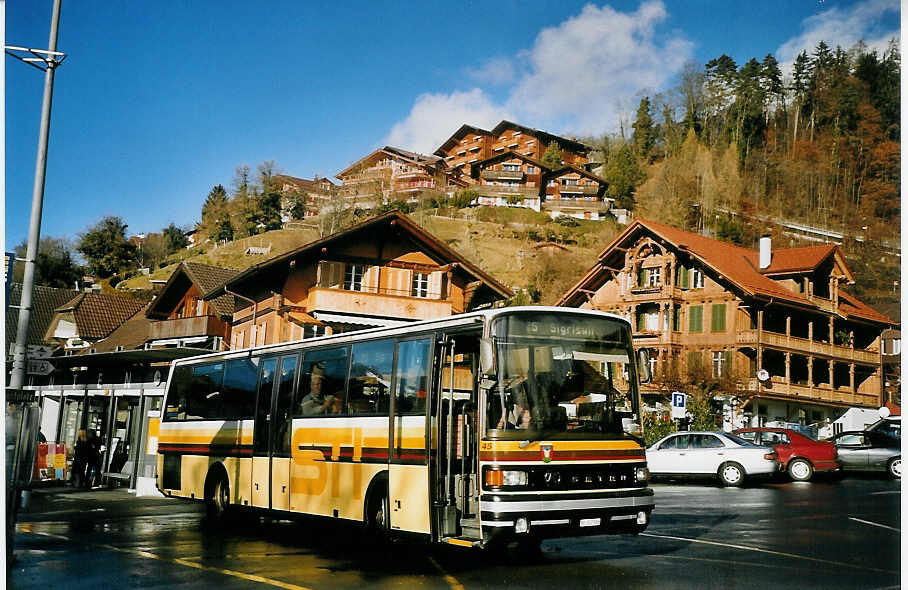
x: 623, y: 176
x: 644, y: 137
x: 552, y: 156
x: 174, y: 238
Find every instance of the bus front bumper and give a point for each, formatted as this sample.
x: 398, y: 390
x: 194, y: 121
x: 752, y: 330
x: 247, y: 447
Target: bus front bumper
x: 550, y: 515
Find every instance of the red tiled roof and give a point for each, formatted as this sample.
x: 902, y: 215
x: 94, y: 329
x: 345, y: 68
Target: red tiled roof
x: 740, y: 266
x: 795, y: 259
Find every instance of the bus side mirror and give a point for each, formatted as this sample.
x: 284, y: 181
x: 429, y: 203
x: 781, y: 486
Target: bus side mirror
x: 487, y: 359
x: 646, y: 372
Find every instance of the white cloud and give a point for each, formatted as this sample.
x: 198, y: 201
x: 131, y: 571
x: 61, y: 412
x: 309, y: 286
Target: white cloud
x: 434, y: 117
x: 582, y: 69
x: 842, y: 27
x: 574, y: 78
x: 498, y: 70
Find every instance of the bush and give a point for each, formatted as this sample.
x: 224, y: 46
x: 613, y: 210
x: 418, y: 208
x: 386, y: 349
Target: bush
x: 656, y: 426
x: 567, y: 221
x: 115, y: 280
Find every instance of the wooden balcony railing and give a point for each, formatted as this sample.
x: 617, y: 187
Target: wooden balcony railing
x: 503, y: 174
x: 581, y: 189
x: 386, y: 304
x: 820, y: 393
x: 205, y: 325
x: 805, y: 346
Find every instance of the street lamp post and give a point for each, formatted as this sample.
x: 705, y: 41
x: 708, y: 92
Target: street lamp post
x: 47, y: 61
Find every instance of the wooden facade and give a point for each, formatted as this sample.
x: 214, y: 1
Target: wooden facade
x: 787, y: 340
x: 382, y: 272
x: 391, y: 173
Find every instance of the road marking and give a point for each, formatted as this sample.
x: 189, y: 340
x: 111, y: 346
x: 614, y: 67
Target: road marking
x: 767, y: 551
x: 451, y: 580
x: 251, y: 577
x: 882, y: 526
x: 885, y: 493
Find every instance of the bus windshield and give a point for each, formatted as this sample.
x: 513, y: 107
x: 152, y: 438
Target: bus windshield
x: 562, y: 375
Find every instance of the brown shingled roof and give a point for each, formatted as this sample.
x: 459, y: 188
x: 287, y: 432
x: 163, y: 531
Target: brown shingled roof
x: 795, y: 259
x: 44, y: 301
x: 206, y: 278
x: 129, y: 335
x: 97, y: 315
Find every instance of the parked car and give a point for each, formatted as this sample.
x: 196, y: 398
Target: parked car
x: 890, y: 426
x: 800, y: 454
x: 720, y: 454
x: 861, y: 450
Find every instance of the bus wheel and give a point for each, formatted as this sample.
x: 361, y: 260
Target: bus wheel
x: 217, y: 500
x: 378, y: 513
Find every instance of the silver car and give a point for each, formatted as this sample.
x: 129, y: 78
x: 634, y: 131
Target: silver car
x: 869, y: 451
x: 723, y: 455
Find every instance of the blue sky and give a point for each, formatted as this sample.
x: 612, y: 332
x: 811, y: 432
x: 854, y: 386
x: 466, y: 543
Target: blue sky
x: 157, y: 102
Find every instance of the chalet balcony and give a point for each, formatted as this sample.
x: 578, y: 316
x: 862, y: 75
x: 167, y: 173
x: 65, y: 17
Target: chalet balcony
x: 505, y: 191
x: 579, y: 189
x: 819, y: 393
x: 804, y: 346
x: 503, y: 174
x: 187, y: 328
x: 579, y: 204
x: 385, y: 303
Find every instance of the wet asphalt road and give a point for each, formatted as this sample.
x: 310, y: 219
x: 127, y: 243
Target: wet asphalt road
x: 833, y: 533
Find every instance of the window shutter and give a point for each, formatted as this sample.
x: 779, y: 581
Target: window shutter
x: 640, y: 319
x: 694, y: 361
x: 696, y: 318
x: 435, y: 284
x: 641, y: 277
x: 726, y: 357
x: 718, y: 317
x: 684, y: 277
x: 370, y: 279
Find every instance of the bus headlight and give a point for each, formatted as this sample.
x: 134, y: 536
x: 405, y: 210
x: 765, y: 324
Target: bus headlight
x: 497, y: 478
x: 642, y: 474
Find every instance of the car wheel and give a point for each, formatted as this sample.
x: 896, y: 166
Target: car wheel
x: 895, y: 468
x: 731, y: 474
x: 800, y: 470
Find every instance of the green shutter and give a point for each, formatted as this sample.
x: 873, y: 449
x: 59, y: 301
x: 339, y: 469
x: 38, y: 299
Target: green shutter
x: 718, y: 319
x: 727, y: 362
x: 694, y: 360
x: 684, y: 277
x: 676, y: 318
x: 696, y: 318
x: 640, y: 320
x: 641, y: 277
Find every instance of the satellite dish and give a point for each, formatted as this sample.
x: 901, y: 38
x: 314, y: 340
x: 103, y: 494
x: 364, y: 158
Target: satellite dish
x: 763, y: 375
x: 884, y: 412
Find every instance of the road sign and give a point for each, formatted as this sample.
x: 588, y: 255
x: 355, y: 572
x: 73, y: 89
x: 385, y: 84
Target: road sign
x: 39, y: 367
x: 38, y: 351
x: 679, y: 404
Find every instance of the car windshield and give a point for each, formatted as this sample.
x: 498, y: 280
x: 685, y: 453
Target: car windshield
x: 566, y: 374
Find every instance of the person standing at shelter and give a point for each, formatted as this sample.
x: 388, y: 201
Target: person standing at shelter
x: 81, y: 454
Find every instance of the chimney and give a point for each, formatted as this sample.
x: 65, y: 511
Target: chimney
x: 765, y: 252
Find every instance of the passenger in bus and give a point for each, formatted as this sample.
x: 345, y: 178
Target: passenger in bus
x: 317, y: 402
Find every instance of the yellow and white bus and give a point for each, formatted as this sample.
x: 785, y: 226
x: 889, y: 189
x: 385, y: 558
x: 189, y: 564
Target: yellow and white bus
x: 512, y: 424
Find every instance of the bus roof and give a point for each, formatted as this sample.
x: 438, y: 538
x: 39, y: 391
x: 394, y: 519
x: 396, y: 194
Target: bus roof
x: 464, y: 319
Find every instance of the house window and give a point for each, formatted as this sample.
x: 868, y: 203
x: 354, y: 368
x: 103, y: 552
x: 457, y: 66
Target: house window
x: 718, y: 317
x: 696, y: 278
x: 531, y: 169
x: 420, y: 285
x: 353, y: 277
x: 654, y: 278
x: 511, y: 167
x: 695, y: 317
x: 569, y: 182
x: 721, y: 363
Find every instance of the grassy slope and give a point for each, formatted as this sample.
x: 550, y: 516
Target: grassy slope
x: 504, y: 246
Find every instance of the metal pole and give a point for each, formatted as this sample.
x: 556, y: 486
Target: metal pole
x: 34, y: 231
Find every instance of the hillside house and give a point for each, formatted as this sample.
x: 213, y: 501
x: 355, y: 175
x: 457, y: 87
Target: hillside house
x: 384, y: 271
x: 470, y: 145
x: 391, y: 173
x: 775, y: 328
x: 318, y: 192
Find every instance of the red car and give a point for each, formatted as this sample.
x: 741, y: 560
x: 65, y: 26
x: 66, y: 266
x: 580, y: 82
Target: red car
x: 799, y: 454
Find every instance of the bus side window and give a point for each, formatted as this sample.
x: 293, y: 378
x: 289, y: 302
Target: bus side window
x: 412, y: 376
x: 238, y: 395
x: 176, y: 396
x: 322, y: 383
x: 205, y: 391
x: 370, y: 378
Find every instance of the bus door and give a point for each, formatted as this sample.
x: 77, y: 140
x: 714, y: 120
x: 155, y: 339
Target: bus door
x: 408, y: 476
x: 456, y: 484
x: 271, y: 436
